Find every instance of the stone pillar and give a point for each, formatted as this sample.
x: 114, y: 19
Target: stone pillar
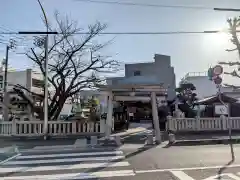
x: 177, y: 113
x: 109, y: 116
x: 198, y: 111
x: 102, y: 125
x: 155, y: 118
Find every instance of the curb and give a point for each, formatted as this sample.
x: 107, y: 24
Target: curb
x: 205, y: 142
x: 52, y: 137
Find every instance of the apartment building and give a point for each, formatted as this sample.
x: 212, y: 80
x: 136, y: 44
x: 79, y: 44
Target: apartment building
x: 28, y: 78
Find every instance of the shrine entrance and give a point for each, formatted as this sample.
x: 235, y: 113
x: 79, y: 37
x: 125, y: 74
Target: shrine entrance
x: 133, y: 93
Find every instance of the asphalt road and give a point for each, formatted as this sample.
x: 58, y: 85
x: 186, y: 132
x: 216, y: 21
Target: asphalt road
x: 185, y: 163
x: 157, y: 163
x: 56, y: 163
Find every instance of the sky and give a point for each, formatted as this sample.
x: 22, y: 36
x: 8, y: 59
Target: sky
x: 189, y: 52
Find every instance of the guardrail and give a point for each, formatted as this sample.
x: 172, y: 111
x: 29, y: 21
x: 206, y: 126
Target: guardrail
x: 55, y: 128
x: 203, y: 124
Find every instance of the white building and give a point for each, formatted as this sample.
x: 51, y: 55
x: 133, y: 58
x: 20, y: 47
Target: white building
x: 204, y: 87
x: 28, y: 78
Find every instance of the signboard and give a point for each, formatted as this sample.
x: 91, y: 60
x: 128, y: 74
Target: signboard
x: 221, y: 109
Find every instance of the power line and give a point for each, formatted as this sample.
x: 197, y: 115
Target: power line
x: 159, y: 5
x: 122, y: 33
x: 146, y: 5
x: 136, y: 33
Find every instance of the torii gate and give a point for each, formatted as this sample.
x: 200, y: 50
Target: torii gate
x: 151, y: 90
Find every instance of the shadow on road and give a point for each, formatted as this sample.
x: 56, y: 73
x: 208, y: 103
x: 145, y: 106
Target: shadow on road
x: 222, y: 169
x: 139, y: 150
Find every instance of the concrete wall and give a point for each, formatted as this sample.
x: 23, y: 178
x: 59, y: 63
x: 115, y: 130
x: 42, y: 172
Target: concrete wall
x: 159, y: 72
x: 19, y: 77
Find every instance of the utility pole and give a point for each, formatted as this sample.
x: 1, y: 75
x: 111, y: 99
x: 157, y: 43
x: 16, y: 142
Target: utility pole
x: 5, y: 88
x: 45, y: 125
x: 6, y: 70
x: 45, y: 108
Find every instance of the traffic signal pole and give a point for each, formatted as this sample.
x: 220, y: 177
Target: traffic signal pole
x: 214, y: 75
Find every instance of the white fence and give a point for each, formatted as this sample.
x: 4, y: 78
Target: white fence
x: 55, y: 128
x: 203, y: 124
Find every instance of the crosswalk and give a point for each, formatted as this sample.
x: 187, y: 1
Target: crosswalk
x: 67, y: 164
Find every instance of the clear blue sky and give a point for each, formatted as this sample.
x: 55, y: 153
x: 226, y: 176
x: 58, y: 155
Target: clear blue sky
x: 188, y: 52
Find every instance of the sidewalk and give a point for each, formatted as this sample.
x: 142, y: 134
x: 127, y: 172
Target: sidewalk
x: 131, y: 131
x: 207, y: 138
x: 134, y: 128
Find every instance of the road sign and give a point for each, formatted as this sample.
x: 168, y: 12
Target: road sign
x: 217, y: 70
x: 217, y: 80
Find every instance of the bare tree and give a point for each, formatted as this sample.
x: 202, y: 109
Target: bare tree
x: 75, y: 61
x: 234, y: 25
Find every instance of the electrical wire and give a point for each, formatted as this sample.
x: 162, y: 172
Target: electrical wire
x: 6, y: 29
x: 130, y: 33
x: 147, y: 5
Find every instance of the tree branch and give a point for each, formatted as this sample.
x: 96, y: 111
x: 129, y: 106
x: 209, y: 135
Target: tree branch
x: 70, y: 68
x: 233, y: 73
x: 230, y: 63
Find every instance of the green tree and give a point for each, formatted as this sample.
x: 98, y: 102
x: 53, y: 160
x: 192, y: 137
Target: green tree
x: 186, y: 95
x: 187, y: 99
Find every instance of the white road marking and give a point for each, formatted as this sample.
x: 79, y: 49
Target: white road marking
x: 64, y: 167
x: 72, y: 176
x: 70, y: 155
x: 234, y: 176
x: 181, y: 175
x: 223, y: 177
x: 52, y: 149
x: 56, y: 147
x: 64, y: 160
x: 185, y: 169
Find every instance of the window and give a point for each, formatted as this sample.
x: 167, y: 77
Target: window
x: 37, y: 83
x: 137, y: 73
x: 1, y: 82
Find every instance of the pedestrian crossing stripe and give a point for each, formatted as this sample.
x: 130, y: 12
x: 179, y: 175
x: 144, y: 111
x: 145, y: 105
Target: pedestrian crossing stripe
x: 108, y: 158
x: 65, y: 167
x: 68, y: 154
x: 69, y: 165
x: 77, y: 176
